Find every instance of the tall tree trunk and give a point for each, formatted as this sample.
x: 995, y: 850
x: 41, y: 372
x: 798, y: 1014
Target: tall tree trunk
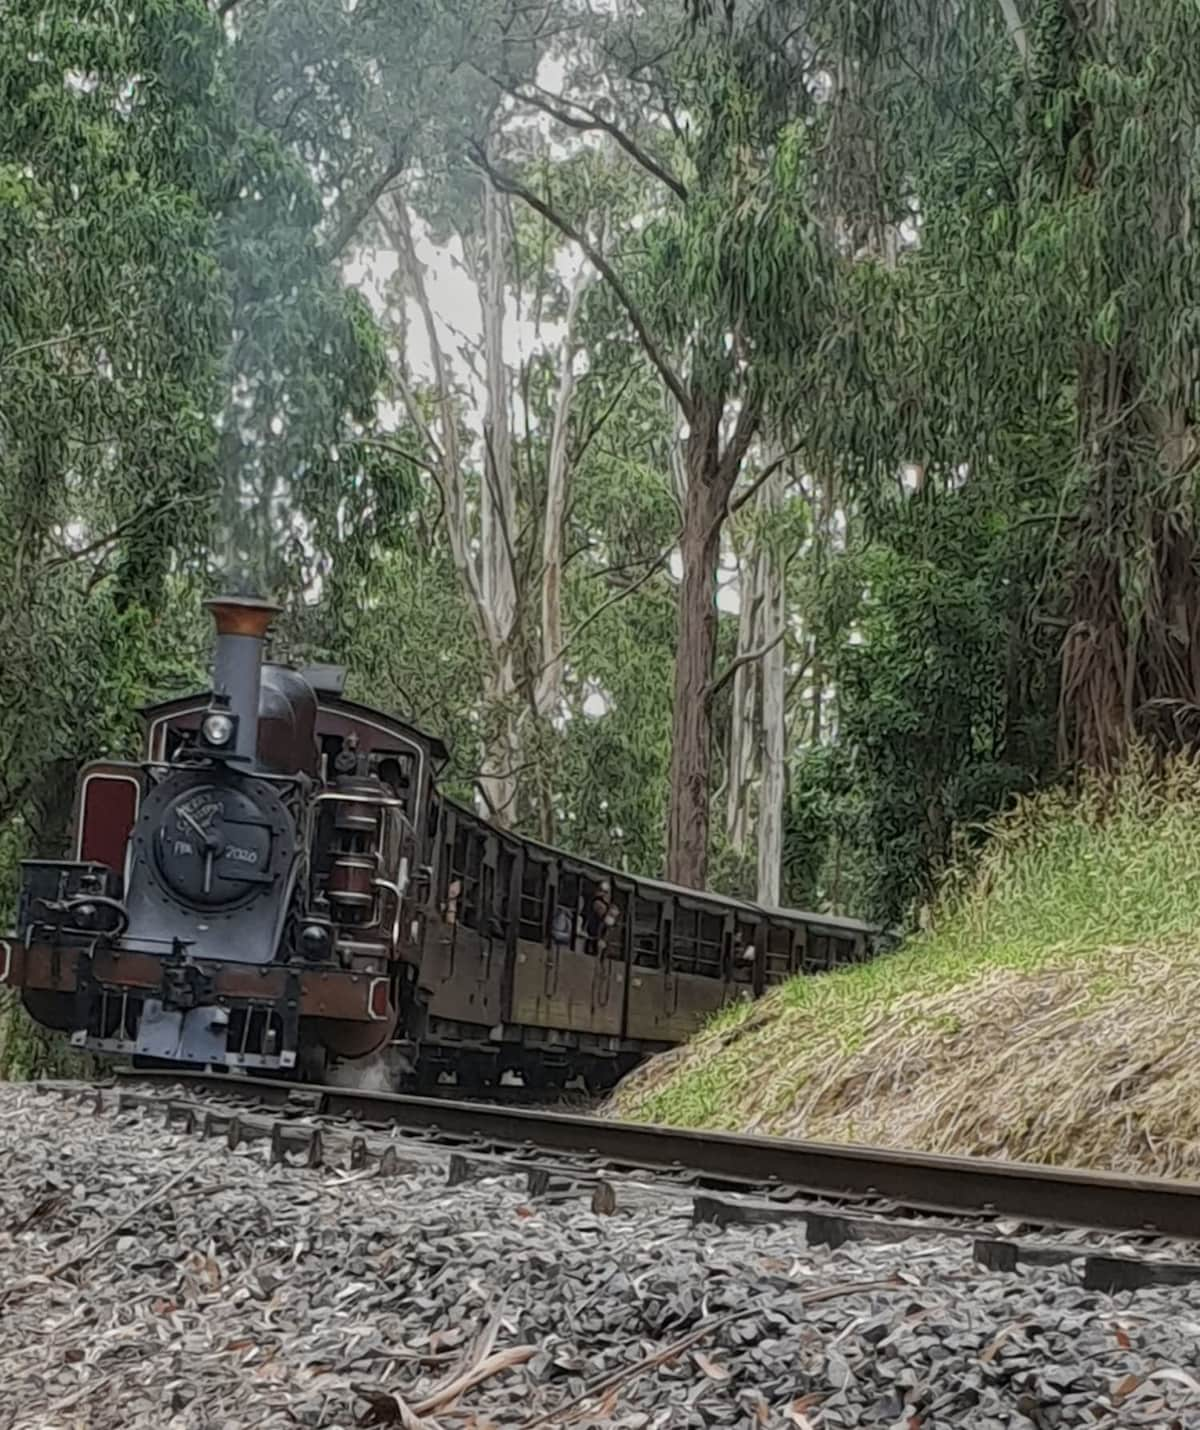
x: 743, y: 716
x: 497, y: 502
x: 773, y: 791
x: 549, y: 686
x: 502, y: 743
x: 712, y: 472
x: 497, y: 527
x: 696, y: 648
x: 676, y: 449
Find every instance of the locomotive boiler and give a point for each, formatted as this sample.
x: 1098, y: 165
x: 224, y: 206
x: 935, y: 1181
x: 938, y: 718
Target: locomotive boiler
x: 241, y: 896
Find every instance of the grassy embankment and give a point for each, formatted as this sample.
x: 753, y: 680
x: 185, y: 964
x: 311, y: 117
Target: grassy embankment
x: 1051, y: 1012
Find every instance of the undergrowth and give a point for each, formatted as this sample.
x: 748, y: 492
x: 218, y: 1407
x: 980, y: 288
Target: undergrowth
x: 1063, y: 955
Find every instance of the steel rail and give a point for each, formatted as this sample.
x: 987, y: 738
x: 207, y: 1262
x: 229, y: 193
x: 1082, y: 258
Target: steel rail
x: 918, y: 1181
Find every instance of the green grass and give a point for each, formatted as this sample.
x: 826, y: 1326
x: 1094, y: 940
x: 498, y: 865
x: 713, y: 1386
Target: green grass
x: 27, y: 1051
x: 1092, y: 883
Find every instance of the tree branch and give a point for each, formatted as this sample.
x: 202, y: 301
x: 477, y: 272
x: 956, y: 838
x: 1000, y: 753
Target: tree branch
x: 365, y: 202
x: 746, y: 659
x: 605, y: 571
x: 662, y: 560
x: 8, y: 358
x: 592, y: 123
x: 739, y: 444
x: 452, y: 486
x: 593, y: 431
x: 599, y: 262
x: 492, y: 478
x: 130, y: 524
x: 1016, y: 28
x: 796, y: 679
x: 763, y: 477
x: 417, y: 418
x: 397, y: 450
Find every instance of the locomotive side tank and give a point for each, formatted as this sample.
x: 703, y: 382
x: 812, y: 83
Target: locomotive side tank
x: 234, y: 901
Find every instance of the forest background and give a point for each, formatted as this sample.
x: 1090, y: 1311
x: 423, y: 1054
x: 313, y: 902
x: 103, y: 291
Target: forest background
x: 759, y: 437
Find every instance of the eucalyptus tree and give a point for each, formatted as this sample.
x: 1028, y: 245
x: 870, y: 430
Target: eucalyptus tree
x: 724, y: 242
x: 593, y: 770
x: 537, y: 362
x: 767, y: 672
x: 1010, y: 181
x: 111, y: 323
x: 168, y: 323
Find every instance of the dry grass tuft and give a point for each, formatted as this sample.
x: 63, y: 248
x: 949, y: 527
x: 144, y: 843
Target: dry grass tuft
x: 1049, y: 1015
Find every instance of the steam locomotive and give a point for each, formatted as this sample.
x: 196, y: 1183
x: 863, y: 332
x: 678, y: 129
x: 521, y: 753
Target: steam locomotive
x: 279, y: 885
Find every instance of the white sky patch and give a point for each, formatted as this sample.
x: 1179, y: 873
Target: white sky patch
x: 596, y: 705
x: 81, y: 82
x: 728, y: 600
x: 458, y: 318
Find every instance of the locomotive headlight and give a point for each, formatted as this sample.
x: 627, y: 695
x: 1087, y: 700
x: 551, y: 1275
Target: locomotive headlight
x: 314, y: 940
x: 217, y: 729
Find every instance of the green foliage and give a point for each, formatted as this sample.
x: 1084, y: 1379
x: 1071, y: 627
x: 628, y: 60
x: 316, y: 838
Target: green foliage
x: 821, y: 822
x: 944, y: 695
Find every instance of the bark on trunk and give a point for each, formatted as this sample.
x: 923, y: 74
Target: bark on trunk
x: 743, y: 720
x: 497, y: 503
x: 676, y: 450
x: 691, y: 731
x: 773, y: 791
x: 549, y: 689
x: 502, y: 745
x: 712, y: 471
x: 497, y: 527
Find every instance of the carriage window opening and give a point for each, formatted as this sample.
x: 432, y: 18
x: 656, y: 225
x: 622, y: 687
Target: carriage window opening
x: 697, y: 943
x: 819, y: 952
x: 842, y: 951
x: 614, y: 944
x: 487, y: 900
x: 463, y: 891
x: 600, y: 914
x: 473, y: 883
x: 647, y: 933
x: 566, y: 912
x: 777, y: 967
x: 450, y: 875
x: 395, y: 769
x: 504, y: 879
x: 533, y: 900
x: 745, y: 953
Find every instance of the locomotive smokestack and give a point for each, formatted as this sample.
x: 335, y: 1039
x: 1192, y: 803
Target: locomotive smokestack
x: 241, y: 623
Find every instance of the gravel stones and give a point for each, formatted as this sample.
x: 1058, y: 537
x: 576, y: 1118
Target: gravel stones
x: 249, y: 1295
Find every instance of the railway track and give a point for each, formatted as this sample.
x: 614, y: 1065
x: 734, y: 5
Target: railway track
x: 1127, y: 1231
